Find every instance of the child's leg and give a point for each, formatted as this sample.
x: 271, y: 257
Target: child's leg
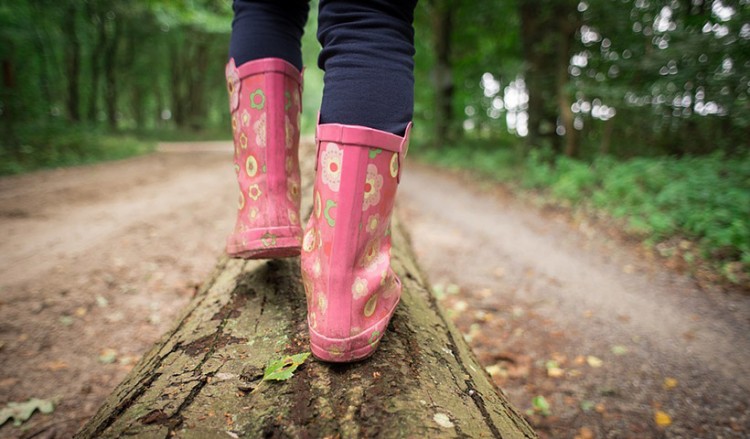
x: 268, y: 29
x: 352, y: 291
x: 368, y: 50
x: 265, y: 85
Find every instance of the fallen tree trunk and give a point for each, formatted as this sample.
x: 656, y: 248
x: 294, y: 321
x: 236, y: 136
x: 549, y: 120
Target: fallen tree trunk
x: 195, y: 383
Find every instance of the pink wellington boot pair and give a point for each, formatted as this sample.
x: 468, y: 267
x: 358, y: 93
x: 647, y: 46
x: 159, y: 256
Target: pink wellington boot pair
x: 351, y: 289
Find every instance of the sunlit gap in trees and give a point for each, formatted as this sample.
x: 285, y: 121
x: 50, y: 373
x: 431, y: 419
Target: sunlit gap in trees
x: 514, y: 102
x: 512, y: 99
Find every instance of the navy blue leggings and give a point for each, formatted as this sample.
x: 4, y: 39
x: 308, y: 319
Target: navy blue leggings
x: 367, y: 55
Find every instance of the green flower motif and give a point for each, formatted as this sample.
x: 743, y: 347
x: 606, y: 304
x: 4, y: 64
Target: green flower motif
x: 255, y: 96
x: 288, y: 97
x: 268, y: 239
x: 330, y: 204
x: 374, y: 338
x: 374, y: 152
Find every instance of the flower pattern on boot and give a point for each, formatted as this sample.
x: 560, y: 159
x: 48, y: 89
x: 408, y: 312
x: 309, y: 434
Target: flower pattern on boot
x: 350, y: 287
x: 264, y: 97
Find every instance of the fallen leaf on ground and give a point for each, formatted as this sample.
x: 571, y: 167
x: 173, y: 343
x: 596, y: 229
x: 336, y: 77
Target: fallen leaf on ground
x: 594, y: 361
x: 585, y: 433
x: 283, y: 369
x: 619, y: 350
x: 662, y: 419
x: 553, y: 369
x: 587, y: 405
x: 495, y: 370
x: 81, y: 311
x: 54, y: 365
x: 102, y: 301
x: 670, y: 383
x: 541, y: 405
x: 107, y: 356
x: 66, y: 320
x: 22, y: 411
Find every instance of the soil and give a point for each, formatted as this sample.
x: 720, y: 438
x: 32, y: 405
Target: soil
x: 97, y: 261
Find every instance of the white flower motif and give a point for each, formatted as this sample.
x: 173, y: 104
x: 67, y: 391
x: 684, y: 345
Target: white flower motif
x: 260, y: 131
x: 245, y: 118
x: 372, y: 223
x: 253, y: 213
x: 233, y: 84
x: 331, y: 159
x: 322, y: 303
x: 373, y: 184
x: 359, y: 288
x: 308, y: 244
x: 316, y: 267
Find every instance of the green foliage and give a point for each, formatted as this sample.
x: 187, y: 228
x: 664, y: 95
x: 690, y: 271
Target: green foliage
x: 54, y: 147
x: 705, y: 198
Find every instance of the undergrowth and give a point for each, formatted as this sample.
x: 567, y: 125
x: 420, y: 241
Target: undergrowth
x: 51, y: 148
x: 703, y: 199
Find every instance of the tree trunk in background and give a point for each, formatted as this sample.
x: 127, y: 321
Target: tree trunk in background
x: 96, y: 63
x: 176, y: 75
x: 533, y: 30
x: 442, y: 26
x: 197, y: 84
x: 110, y: 79
x: 568, y: 24
x: 72, y: 63
x: 9, y: 111
x: 542, y: 30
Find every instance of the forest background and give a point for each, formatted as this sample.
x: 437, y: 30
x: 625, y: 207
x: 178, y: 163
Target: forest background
x: 635, y: 109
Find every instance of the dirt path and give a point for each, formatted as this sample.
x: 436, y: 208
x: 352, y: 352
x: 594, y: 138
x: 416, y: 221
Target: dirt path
x: 96, y: 262
x: 537, y: 287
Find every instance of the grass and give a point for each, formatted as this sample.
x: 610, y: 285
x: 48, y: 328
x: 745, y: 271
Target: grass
x: 52, y: 148
x: 705, y: 199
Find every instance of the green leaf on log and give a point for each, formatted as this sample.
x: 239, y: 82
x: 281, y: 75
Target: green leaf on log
x: 283, y: 369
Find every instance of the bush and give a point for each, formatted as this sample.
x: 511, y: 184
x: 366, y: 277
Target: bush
x: 705, y: 199
x: 56, y: 147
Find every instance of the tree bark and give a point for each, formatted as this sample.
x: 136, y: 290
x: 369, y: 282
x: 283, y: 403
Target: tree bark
x: 422, y: 382
x: 72, y: 62
x: 442, y: 75
x: 568, y: 24
x: 96, y: 62
x: 110, y: 77
x: 542, y: 33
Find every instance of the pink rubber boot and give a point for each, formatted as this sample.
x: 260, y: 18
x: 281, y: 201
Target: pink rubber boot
x: 351, y: 289
x: 265, y: 102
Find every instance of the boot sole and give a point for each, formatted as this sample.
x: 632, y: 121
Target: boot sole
x: 286, y: 243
